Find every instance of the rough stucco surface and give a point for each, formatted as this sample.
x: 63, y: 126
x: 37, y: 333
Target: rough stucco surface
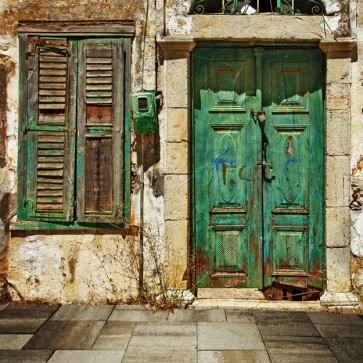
x: 72, y: 267
x: 93, y: 268
x: 8, y: 149
x: 82, y: 268
x: 179, y: 23
x: 357, y: 158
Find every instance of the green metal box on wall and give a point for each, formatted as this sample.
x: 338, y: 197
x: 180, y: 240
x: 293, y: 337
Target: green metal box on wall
x: 143, y: 109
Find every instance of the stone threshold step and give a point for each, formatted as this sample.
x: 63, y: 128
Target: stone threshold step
x: 252, y: 305
x: 230, y: 293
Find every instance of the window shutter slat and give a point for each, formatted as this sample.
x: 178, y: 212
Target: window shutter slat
x: 99, y: 71
x: 50, y: 150
x: 52, y: 83
x: 101, y: 121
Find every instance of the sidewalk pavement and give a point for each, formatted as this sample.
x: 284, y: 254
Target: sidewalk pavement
x: 129, y: 333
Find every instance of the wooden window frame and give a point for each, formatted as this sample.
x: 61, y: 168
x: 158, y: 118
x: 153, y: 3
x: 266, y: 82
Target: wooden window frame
x: 74, y: 131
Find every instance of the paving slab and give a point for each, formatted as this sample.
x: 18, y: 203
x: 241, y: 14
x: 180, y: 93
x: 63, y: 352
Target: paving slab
x: 235, y: 316
x: 197, y: 315
x: 306, y: 358
x: 28, y: 311
x: 256, y: 305
x: 87, y: 356
x: 138, y: 315
x: 347, y: 350
x: 157, y: 355
x: 289, y: 306
x: 129, y: 307
x: 340, y: 331
x: 83, y: 312
x: 20, y: 326
x: 296, y: 345
x: 164, y: 336
x: 285, y: 324
x: 281, y: 317
x: 229, y: 336
x: 13, y: 341
x: 66, y: 335
x: 25, y: 356
x: 233, y: 356
x: 114, y: 335
x: 325, y: 318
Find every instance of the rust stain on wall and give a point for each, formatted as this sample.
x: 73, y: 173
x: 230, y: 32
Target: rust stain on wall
x: 358, y: 167
x: 72, y: 262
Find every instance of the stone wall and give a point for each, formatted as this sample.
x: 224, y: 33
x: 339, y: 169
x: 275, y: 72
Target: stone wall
x: 343, y: 145
x: 356, y: 171
x: 103, y: 267
x: 74, y: 266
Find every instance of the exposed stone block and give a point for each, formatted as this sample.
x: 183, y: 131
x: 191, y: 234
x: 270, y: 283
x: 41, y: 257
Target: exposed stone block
x: 177, y: 239
x: 337, y: 181
x: 176, y: 189
x: 338, y: 299
x: 176, y: 81
x: 338, y: 270
x: 269, y: 27
x: 357, y: 276
x: 338, y: 67
x: 338, y: 98
x: 338, y: 131
x: 177, y: 160
x: 337, y: 229
x: 357, y: 234
x: 177, y: 124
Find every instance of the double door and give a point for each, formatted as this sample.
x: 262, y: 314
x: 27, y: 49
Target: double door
x: 258, y: 167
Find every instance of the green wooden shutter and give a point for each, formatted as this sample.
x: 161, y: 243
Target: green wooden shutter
x: 100, y: 166
x: 50, y: 132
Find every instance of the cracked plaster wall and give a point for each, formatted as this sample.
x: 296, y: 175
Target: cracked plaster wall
x: 82, y: 267
x: 357, y: 154
x: 72, y: 267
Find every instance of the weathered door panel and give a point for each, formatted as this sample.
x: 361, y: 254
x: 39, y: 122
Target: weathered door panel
x: 227, y: 216
x: 293, y: 188
x: 255, y: 225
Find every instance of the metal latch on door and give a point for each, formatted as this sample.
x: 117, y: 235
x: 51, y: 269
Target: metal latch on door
x: 261, y: 117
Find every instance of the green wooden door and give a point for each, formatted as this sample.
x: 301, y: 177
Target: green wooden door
x: 258, y: 186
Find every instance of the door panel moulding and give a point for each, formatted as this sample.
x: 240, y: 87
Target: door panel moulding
x: 177, y: 53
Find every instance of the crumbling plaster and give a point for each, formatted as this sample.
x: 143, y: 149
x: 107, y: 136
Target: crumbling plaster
x: 72, y: 267
x: 86, y: 267
x: 180, y: 22
x: 357, y: 155
x: 82, y: 268
x: 8, y: 146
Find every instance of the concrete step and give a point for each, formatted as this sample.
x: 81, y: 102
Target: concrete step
x: 230, y: 293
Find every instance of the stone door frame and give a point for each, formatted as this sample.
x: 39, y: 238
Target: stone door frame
x: 177, y: 103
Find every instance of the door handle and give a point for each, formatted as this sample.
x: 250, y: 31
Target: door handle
x: 260, y: 117
x: 267, y: 165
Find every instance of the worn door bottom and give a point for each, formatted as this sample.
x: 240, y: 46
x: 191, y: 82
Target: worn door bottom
x: 230, y: 293
x: 280, y: 291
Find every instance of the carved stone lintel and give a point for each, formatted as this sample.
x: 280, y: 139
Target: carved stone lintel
x: 338, y: 45
x: 177, y: 45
